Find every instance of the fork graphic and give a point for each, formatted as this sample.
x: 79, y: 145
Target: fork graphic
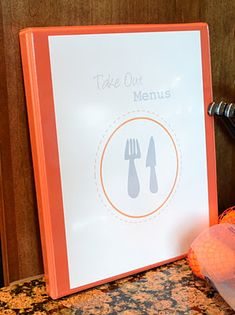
x: 132, y: 152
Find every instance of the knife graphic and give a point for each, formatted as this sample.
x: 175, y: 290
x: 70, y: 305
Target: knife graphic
x: 151, y: 163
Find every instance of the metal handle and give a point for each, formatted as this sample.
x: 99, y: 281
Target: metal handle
x: 225, y: 111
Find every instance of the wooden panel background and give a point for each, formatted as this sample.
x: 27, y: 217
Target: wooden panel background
x: 19, y: 223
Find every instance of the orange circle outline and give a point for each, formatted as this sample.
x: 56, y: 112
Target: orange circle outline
x: 101, y: 167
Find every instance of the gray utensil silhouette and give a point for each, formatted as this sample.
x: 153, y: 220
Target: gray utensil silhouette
x: 151, y: 163
x: 132, y: 152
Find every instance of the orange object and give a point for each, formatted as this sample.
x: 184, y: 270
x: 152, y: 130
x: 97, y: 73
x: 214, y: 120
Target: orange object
x: 211, y: 254
x: 215, y: 257
x: 194, y: 264
x: 228, y: 216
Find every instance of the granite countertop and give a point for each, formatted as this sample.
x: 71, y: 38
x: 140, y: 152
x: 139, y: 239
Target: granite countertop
x: 169, y: 289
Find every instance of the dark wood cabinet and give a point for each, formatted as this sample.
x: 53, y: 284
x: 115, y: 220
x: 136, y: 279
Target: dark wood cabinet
x: 21, y: 249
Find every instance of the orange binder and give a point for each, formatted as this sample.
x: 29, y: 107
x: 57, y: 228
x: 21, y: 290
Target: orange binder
x: 123, y: 149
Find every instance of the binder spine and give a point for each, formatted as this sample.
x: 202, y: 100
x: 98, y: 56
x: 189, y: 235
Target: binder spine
x: 36, y: 138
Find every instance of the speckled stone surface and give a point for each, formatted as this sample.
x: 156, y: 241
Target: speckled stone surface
x: 170, y: 289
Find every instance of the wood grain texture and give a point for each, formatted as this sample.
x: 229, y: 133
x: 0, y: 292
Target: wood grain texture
x: 7, y: 205
x: 21, y: 248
